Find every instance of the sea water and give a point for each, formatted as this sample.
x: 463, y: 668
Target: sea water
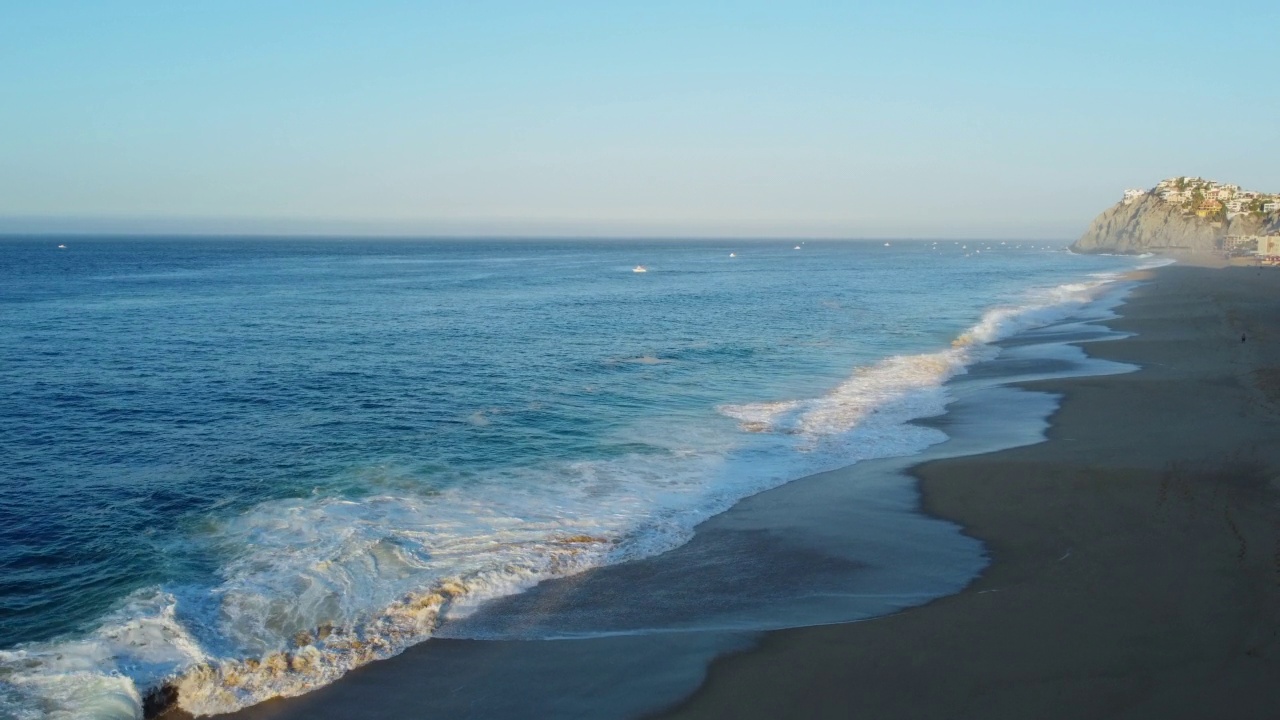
x: 243, y: 467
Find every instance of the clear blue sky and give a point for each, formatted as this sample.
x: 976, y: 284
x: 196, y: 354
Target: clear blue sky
x: 661, y: 118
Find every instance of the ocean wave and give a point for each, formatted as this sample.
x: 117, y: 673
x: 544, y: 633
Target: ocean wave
x: 867, y: 414
x: 315, y: 587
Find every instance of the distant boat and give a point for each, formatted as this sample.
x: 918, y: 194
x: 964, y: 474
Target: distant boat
x: 733, y: 254
x: 639, y: 268
x: 797, y: 247
x: 62, y: 247
x: 886, y: 244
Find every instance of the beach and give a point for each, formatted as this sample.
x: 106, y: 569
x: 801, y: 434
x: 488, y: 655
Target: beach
x: 1136, y: 553
x: 1135, y: 565
x: 1051, y: 484
x: 605, y: 364
x: 534, y: 482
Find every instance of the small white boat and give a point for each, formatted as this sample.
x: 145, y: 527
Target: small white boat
x: 797, y: 247
x: 62, y: 247
x: 886, y: 244
x: 733, y: 254
x: 639, y: 268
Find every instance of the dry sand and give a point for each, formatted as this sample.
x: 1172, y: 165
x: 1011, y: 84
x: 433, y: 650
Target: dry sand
x: 1136, y: 554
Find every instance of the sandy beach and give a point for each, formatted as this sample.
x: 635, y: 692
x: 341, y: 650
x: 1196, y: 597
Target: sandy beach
x: 1136, y: 554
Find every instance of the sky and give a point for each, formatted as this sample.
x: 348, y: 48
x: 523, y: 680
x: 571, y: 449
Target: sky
x: 683, y: 119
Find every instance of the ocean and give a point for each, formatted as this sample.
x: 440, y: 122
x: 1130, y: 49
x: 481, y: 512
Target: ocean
x: 243, y: 467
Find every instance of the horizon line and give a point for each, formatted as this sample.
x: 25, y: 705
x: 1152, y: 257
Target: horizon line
x: 185, y: 235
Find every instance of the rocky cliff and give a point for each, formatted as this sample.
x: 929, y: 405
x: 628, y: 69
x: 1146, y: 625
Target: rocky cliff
x: 1149, y: 224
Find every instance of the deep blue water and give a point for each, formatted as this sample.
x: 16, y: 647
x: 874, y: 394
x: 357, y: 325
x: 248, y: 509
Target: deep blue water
x: 213, y: 445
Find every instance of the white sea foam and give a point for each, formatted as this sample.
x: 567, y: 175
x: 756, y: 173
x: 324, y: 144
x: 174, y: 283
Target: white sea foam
x: 99, y: 676
x: 314, y: 587
x: 866, y: 415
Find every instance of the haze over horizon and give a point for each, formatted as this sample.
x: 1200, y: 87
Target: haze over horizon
x: 663, y: 119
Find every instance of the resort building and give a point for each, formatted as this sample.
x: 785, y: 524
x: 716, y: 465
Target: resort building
x: 1269, y: 249
x: 1131, y: 195
x: 1208, y: 208
x: 1207, y: 198
x: 1239, y: 244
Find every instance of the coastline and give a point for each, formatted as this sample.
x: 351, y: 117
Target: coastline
x: 1135, y: 555
x: 835, y: 547
x: 825, y: 549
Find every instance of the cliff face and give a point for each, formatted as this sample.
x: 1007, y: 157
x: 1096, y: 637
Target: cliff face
x: 1151, y: 225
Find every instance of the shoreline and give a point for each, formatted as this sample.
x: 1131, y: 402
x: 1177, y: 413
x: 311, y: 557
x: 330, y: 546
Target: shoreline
x: 861, y: 528
x: 1135, y: 555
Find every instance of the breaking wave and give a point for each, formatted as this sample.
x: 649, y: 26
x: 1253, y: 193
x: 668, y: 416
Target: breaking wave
x: 867, y: 415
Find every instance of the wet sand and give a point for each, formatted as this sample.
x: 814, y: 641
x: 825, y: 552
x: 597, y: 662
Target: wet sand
x: 1136, y: 553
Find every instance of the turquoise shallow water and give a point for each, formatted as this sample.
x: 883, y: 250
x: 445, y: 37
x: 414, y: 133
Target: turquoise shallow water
x: 224, y: 449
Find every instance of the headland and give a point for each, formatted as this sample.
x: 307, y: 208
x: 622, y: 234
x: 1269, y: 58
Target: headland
x: 1186, y: 216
